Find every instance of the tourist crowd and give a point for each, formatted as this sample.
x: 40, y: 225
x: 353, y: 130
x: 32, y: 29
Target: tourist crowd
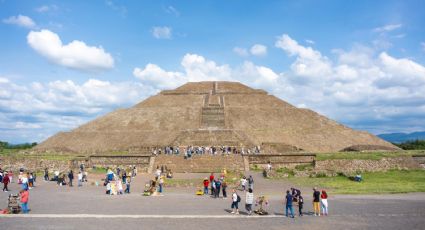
x: 189, y: 151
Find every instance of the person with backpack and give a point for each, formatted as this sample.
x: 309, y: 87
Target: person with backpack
x: 249, y: 199
x: 300, y: 203
x: 235, y: 202
x: 324, y: 202
x: 289, y: 200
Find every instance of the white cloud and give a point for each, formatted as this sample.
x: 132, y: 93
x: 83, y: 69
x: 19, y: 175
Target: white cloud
x: 258, y: 50
x: 61, y: 105
x: 311, y: 42
x: 309, y: 62
x: 241, y: 51
x: 387, y: 28
x: 20, y: 20
x: 197, y: 68
x: 46, y: 8
x: 75, y: 55
x: 162, y: 32
x: 172, y: 10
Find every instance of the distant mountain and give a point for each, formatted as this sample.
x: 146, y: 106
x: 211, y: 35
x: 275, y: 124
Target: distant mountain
x: 402, y: 137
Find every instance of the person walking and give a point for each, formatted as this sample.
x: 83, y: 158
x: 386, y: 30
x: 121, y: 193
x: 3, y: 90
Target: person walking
x: 249, y: 200
x: 289, y: 199
x: 324, y: 202
x: 316, y: 202
x: 300, y: 204
x: 80, y: 179
x: 5, y: 181
x: 212, y: 182
x: 70, y: 177
x: 235, y: 202
x: 24, y: 200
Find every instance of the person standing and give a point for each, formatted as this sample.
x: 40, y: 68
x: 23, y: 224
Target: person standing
x: 324, y: 202
x: 24, y: 200
x: 300, y: 204
x: 127, y: 183
x: 5, y: 182
x: 212, y: 182
x: 316, y: 202
x: 80, y: 179
x: 235, y: 201
x: 161, y: 183
x: 251, y: 182
x: 217, y: 188
x: 70, y: 177
x: 249, y: 200
x: 289, y: 199
x: 206, y: 183
x: 243, y: 183
x: 224, y: 187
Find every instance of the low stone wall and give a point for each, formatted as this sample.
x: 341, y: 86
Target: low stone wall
x: 201, y: 163
x: 33, y: 164
x: 351, y: 166
x: 281, y: 160
x: 140, y: 161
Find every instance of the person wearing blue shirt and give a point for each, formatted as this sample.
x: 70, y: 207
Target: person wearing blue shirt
x: 289, y: 207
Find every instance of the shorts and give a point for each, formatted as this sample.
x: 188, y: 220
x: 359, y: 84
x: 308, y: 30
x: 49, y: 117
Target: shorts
x: 235, y: 205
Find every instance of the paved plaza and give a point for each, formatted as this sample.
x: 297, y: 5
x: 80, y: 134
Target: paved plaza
x: 87, y: 207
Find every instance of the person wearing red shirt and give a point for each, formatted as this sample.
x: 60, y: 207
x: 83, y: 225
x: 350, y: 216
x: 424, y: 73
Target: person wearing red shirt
x: 211, y: 182
x: 5, y: 182
x: 206, y: 183
x: 24, y: 200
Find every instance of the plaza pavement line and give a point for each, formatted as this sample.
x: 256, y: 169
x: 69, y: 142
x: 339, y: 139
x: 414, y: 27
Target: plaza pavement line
x: 100, y: 216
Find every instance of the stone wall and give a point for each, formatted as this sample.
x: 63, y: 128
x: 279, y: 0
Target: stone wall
x: 201, y: 163
x: 351, y: 166
x: 281, y: 160
x: 140, y: 161
x: 33, y: 164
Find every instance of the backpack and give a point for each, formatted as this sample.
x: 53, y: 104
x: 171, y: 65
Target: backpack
x: 238, y: 199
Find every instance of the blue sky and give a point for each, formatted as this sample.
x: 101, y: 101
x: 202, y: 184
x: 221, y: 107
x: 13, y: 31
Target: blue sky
x: 63, y: 63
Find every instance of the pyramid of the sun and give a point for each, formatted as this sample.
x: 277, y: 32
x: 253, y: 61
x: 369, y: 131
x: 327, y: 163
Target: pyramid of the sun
x: 207, y: 114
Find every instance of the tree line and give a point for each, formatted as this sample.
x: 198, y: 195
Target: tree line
x: 412, y: 145
x: 6, y: 145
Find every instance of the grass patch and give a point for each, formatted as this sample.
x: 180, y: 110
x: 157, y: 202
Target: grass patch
x: 304, y: 167
x: 393, y: 181
x: 364, y: 155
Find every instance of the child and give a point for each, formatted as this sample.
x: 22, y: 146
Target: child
x: 300, y: 203
x: 206, y: 183
x: 120, y: 188
x: 24, y: 200
x: 108, y: 188
x: 235, y: 201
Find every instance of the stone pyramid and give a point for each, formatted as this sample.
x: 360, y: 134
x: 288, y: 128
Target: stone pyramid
x: 212, y: 113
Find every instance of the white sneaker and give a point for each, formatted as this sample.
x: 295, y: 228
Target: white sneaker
x: 237, y: 213
x: 233, y: 212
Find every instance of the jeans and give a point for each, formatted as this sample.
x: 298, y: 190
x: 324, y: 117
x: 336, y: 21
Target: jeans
x: 234, y: 205
x: 24, y: 207
x: 206, y: 190
x: 160, y: 188
x: 70, y: 182
x: 248, y: 207
x: 127, y: 190
x: 291, y: 209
